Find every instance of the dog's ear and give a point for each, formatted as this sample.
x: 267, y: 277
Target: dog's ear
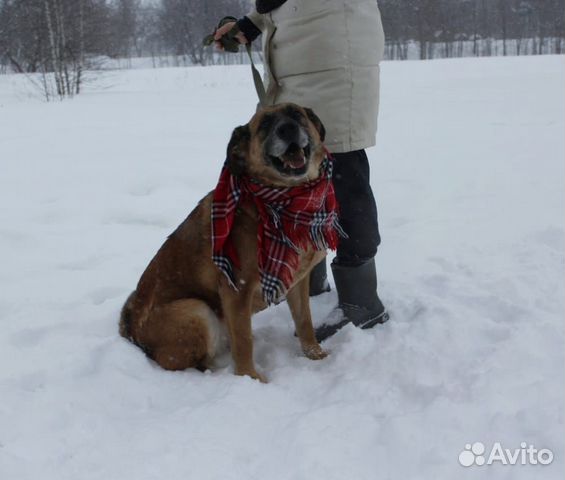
x: 237, y: 150
x: 317, y: 123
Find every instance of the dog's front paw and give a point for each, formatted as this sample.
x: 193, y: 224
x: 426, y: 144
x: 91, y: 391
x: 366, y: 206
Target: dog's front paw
x: 314, y: 352
x: 253, y: 374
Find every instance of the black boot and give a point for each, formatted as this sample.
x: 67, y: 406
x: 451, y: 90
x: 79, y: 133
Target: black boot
x: 319, y: 279
x: 358, y: 301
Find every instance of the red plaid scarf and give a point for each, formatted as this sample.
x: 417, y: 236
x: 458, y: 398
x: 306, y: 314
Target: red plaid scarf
x: 290, y: 219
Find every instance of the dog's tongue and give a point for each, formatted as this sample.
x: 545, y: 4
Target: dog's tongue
x: 295, y: 158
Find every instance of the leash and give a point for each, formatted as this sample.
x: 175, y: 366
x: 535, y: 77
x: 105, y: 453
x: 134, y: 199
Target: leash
x: 230, y: 44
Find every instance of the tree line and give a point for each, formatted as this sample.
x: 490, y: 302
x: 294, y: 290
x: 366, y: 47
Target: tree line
x: 62, y: 39
x: 455, y: 28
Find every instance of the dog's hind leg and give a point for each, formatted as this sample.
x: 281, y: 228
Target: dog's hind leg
x: 183, y: 334
x: 298, y: 300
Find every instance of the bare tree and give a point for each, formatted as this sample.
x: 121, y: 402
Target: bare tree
x: 57, y: 39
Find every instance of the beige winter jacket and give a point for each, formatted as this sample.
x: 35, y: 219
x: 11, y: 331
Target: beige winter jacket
x: 325, y: 54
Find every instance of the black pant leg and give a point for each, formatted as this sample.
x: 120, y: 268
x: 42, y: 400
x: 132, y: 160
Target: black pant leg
x: 358, y: 209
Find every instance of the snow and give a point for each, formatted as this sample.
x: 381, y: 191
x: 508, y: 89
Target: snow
x: 468, y: 173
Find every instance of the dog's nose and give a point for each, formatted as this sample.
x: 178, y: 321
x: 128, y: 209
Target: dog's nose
x: 289, y: 132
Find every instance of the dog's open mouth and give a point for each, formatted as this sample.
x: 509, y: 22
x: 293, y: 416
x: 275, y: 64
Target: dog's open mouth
x: 293, y: 162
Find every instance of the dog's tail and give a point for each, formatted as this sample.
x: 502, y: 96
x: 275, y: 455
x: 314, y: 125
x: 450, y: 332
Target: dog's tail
x: 129, y: 316
x: 126, y: 317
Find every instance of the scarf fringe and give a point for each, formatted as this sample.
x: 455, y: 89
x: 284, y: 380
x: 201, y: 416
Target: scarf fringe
x: 226, y: 266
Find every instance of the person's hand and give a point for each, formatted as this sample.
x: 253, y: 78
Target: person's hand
x: 240, y: 37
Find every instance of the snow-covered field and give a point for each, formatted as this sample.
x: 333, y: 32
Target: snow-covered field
x: 469, y: 176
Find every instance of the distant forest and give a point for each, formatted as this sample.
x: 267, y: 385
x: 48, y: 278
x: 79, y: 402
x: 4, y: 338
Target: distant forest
x: 456, y: 28
x: 72, y: 36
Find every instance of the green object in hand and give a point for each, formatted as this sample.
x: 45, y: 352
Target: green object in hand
x: 228, y: 41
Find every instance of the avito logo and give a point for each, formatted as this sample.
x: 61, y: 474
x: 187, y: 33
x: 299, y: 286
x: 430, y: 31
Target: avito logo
x: 475, y: 454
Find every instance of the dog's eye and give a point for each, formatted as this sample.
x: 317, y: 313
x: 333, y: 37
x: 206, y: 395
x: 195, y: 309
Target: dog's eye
x: 294, y: 114
x: 266, y: 125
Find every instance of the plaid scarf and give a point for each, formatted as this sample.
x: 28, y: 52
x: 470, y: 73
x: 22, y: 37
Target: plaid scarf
x: 290, y: 219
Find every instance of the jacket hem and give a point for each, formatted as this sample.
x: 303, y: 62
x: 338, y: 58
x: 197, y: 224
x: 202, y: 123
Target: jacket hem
x: 345, y: 147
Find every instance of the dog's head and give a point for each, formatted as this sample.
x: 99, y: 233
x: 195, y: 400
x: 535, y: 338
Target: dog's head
x: 280, y: 146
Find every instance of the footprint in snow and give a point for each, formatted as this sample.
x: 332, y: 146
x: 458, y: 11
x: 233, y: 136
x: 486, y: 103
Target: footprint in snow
x: 140, y: 221
x: 30, y: 337
x: 103, y: 294
x: 141, y: 191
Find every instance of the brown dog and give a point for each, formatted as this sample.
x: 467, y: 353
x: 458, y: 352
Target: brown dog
x: 183, y: 301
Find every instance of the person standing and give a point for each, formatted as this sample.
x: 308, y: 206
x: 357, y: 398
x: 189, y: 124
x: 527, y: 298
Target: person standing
x: 325, y: 55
